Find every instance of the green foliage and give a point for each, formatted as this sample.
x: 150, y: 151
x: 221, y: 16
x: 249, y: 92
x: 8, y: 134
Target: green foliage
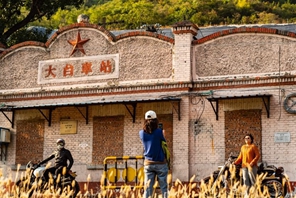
x: 141, y: 12
x: 16, y: 14
x: 89, y: 3
x: 26, y: 34
x: 265, y: 18
x: 286, y: 11
x: 132, y: 14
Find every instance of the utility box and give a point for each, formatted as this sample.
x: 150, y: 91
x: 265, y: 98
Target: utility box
x: 4, y: 135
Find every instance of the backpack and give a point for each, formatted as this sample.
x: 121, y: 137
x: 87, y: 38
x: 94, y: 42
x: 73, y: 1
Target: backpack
x: 166, y: 152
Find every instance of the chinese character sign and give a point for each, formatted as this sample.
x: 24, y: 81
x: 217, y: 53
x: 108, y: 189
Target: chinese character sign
x: 77, y: 69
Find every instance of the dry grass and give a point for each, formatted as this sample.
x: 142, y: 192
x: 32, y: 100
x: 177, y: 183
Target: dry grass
x: 177, y: 189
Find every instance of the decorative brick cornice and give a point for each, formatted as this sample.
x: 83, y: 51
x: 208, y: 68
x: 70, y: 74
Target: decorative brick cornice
x: 110, y: 36
x: 185, y: 32
x: 197, y: 85
x: 256, y: 81
x: 185, y: 27
x: 262, y: 30
x: 145, y: 33
x: 23, y: 44
x: 185, y: 24
x: 42, y: 94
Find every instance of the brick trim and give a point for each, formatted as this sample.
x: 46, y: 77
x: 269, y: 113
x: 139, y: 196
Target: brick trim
x: 83, y: 91
x: 256, y: 82
x: 71, y: 94
x: 145, y: 33
x: 23, y: 44
x: 185, y: 23
x: 110, y: 36
x: 157, y: 87
x: 185, y: 32
x: 262, y: 30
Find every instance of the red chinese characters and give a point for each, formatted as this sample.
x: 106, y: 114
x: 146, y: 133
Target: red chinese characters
x: 68, y: 70
x: 50, y: 71
x: 87, y: 68
x: 106, y: 66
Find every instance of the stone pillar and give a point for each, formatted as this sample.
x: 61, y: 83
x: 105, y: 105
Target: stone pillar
x: 181, y: 143
x: 184, y: 33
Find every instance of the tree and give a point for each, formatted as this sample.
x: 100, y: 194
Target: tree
x: 29, y: 34
x: 16, y: 14
x: 265, y: 18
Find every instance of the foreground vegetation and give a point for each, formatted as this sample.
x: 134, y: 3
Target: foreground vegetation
x: 177, y: 189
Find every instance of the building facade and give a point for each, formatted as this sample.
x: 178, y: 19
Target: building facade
x: 92, y: 88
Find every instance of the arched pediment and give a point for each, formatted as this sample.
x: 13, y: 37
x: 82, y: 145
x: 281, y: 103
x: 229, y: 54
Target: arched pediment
x: 240, y: 30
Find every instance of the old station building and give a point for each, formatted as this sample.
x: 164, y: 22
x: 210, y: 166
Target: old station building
x: 92, y: 87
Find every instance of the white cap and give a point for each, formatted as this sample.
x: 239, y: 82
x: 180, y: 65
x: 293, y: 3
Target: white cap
x: 150, y: 115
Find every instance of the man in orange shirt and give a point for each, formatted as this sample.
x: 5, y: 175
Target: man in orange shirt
x: 248, y: 157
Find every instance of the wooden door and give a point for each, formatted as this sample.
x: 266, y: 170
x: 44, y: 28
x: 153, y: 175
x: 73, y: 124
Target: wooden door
x: 238, y: 124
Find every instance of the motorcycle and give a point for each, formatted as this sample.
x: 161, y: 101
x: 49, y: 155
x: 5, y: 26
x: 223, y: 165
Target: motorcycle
x: 229, y: 177
x: 34, y: 181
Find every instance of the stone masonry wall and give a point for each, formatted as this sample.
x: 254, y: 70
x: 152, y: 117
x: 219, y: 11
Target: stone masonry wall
x: 147, y: 57
x: 237, y: 57
x: 207, y: 146
x: 244, y: 55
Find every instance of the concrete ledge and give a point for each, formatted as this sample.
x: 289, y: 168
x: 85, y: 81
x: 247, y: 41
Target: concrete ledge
x: 14, y: 167
x: 94, y: 167
x: 101, y: 167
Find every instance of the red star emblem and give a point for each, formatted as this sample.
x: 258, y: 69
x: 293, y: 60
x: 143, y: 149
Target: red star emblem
x: 78, y: 44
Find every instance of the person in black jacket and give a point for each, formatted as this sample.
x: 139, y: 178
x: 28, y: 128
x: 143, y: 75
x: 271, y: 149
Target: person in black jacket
x: 61, y: 156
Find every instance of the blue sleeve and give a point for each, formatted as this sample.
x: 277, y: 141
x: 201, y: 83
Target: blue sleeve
x: 162, y: 136
x: 141, y: 134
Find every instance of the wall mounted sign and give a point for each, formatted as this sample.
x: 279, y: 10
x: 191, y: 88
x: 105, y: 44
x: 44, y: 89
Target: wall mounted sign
x: 68, y: 127
x: 282, y: 137
x: 78, y: 69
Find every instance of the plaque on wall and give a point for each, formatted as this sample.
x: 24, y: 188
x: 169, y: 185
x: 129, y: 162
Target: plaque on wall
x: 68, y: 127
x: 282, y: 137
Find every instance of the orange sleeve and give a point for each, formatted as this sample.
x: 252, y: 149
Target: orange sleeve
x: 257, y: 156
x: 239, y: 159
